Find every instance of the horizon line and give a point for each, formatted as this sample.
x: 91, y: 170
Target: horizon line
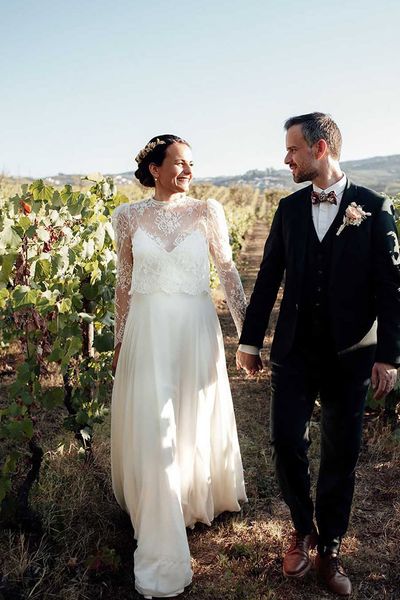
x: 3, y: 173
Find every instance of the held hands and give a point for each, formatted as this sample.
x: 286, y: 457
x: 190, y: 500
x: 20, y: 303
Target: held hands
x: 383, y: 379
x: 251, y: 363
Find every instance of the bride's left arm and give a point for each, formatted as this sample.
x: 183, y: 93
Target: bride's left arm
x: 221, y: 252
x: 121, y: 225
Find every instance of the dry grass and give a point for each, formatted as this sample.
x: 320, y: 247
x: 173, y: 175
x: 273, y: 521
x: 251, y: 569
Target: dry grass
x: 86, y: 549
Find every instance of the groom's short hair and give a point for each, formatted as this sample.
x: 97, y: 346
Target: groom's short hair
x: 316, y: 126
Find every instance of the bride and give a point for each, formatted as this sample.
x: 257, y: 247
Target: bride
x: 174, y: 448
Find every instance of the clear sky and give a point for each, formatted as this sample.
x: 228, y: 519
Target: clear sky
x: 86, y: 83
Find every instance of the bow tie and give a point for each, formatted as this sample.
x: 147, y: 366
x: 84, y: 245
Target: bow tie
x: 322, y: 197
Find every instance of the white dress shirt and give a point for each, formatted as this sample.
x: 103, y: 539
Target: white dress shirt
x: 323, y: 215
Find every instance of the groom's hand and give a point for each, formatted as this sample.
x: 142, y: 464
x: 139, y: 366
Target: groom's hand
x: 383, y: 379
x: 251, y: 363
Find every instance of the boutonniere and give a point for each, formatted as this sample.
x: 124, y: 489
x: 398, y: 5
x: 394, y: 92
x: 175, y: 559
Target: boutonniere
x: 354, y: 215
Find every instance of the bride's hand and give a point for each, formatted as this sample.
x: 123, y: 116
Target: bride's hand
x: 115, y: 358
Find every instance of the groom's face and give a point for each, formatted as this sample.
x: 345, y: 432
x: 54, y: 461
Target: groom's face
x: 300, y: 157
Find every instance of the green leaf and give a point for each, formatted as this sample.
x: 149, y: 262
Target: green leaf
x: 42, y: 269
x: 24, y: 372
x: 104, y: 342
x: 10, y: 237
x: 31, y: 232
x: 57, y: 353
x: 8, y: 262
x: 17, y: 429
x: 52, y: 397
x: 64, y: 305
x: 23, y: 295
x: 9, y: 464
x: 95, y: 274
x: 66, y: 194
x: 37, y: 388
x: 372, y: 402
x: 90, y: 291
x: 99, y: 236
x: 74, y: 346
x: 24, y: 222
x: 82, y: 417
x: 27, y: 427
x: 75, y: 204
x: 26, y: 398
x: 53, y: 328
x: 16, y: 388
x: 4, y: 296
x: 56, y: 201
x: 41, y: 191
x: 14, y: 409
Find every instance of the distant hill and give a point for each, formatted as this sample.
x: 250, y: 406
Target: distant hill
x: 381, y: 173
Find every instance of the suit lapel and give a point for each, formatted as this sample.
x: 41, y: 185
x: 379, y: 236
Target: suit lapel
x: 302, y: 225
x: 340, y: 241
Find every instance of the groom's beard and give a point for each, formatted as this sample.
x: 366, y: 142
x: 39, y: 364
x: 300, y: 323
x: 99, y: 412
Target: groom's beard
x: 302, y: 176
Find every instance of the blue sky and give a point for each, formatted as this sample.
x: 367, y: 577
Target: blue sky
x: 85, y: 84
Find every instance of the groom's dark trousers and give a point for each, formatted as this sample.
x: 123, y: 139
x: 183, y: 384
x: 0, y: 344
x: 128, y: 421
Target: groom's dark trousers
x: 342, y: 384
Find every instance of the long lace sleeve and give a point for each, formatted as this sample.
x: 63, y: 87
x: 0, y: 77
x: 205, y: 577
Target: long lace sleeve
x: 120, y: 222
x: 221, y: 252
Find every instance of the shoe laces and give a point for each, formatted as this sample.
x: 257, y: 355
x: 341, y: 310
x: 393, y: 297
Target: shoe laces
x: 299, y: 541
x: 335, y: 565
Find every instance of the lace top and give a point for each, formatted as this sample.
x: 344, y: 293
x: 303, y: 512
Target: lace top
x: 164, y: 246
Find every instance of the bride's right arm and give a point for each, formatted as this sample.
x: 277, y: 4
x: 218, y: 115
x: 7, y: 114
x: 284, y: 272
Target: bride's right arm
x: 123, y: 241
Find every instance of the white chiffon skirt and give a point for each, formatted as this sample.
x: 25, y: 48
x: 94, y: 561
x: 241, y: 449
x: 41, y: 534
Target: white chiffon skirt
x: 174, y: 449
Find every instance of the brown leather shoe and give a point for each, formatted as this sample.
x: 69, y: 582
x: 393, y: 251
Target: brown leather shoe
x: 331, y: 571
x: 296, y: 562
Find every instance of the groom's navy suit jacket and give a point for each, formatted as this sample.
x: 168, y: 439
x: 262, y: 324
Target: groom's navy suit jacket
x: 364, y: 277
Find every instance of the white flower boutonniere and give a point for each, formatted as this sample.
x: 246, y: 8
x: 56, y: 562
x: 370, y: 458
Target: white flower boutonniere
x: 354, y: 215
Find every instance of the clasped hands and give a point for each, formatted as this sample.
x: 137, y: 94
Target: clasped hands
x: 251, y: 363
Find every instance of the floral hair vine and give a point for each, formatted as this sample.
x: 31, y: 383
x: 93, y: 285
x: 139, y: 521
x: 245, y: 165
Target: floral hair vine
x: 147, y: 149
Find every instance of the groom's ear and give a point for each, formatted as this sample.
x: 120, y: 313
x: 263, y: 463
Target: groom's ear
x: 320, y: 149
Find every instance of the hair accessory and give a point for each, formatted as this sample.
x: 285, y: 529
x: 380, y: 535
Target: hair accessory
x: 148, y: 148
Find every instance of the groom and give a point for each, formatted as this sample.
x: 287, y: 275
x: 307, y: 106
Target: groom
x: 338, y: 327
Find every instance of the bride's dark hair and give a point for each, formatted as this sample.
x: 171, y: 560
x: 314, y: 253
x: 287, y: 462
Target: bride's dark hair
x: 154, y: 152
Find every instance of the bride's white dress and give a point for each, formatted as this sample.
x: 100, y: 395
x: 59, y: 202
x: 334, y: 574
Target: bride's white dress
x: 174, y: 448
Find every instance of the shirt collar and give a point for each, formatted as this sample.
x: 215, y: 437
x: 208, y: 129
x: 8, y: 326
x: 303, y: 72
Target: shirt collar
x: 337, y: 187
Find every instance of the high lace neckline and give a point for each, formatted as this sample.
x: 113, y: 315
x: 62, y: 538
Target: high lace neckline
x: 167, y: 203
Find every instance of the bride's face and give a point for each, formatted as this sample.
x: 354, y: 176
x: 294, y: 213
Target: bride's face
x: 176, y: 171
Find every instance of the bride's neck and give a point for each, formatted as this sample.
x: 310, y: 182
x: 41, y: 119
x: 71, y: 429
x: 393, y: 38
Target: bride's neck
x: 166, y: 196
